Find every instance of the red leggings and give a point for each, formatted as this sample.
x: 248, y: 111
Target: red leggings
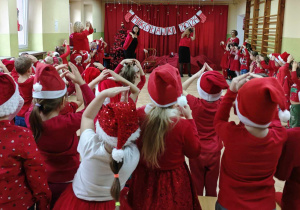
x: 205, y: 172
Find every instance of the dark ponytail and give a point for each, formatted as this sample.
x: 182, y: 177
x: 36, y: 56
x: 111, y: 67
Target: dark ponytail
x: 116, y: 187
x: 44, y: 106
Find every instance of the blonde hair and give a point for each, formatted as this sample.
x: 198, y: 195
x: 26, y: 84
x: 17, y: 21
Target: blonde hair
x: 128, y: 73
x: 78, y: 27
x: 154, y: 128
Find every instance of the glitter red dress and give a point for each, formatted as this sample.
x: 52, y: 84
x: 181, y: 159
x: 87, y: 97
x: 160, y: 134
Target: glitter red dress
x: 170, y: 186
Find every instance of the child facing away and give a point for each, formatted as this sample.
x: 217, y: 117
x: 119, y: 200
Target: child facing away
x: 79, y: 38
x: 55, y: 134
x: 288, y: 169
x: 162, y: 179
x: 205, y: 168
x: 253, y: 147
x: 110, y: 152
x: 23, y: 180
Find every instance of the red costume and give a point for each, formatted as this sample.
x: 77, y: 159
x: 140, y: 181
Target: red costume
x: 234, y: 61
x: 65, y: 55
x: 80, y: 40
x: 244, y: 59
x: 285, y: 80
x: 289, y: 169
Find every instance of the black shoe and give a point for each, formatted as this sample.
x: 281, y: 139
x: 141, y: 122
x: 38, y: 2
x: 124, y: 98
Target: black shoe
x: 181, y: 75
x: 190, y: 75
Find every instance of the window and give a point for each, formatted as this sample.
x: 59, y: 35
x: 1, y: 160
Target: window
x: 22, y: 7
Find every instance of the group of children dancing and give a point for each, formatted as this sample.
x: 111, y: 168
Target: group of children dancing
x: 132, y: 157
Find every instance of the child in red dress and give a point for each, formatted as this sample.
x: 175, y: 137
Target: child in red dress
x: 162, y: 179
x: 235, y: 63
x: 253, y: 147
x: 55, y: 134
x: 225, y: 59
x: 23, y: 180
x: 205, y: 169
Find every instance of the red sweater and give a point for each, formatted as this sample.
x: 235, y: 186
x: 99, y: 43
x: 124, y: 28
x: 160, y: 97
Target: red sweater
x: 65, y: 55
x: 273, y: 69
x: 25, y: 89
x: 185, y: 42
x: 289, y: 169
x: 80, y: 40
x: 285, y: 80
x: 231, y: 40
x: 244, y: 59
x: 23, y: 178
x: 248, y: 163
x: 204, y: 114
x: 58, y: 142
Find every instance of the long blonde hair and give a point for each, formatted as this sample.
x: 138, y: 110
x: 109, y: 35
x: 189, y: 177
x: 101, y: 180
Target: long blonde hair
x: 78, y: 27
x: 154, y: 128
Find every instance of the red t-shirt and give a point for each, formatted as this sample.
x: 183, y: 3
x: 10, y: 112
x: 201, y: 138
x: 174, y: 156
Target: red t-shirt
x: 204, y: 114
x: 70, y: 107
x: 289, y: 169
x: 23, y: 178
x: 25, y: 89
x: 185, y: 42
x: 248, y: 163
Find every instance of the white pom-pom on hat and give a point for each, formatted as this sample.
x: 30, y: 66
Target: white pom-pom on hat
x: 284, y: 116
x: 37, y: 87
x: 117, y: 155
x: 182, y: 101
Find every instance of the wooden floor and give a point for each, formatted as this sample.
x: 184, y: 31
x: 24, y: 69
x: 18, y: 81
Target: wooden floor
x: 207, y: 203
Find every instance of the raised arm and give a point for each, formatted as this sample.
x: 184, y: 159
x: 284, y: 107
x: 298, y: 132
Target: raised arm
x: 194, y: 34
x: 5, y: 70
x: 87, y: 121
x: 190, y: 80
x: 104, y: 74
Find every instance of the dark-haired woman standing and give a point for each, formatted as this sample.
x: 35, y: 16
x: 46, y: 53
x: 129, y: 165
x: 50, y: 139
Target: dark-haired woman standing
x: 132, y: 43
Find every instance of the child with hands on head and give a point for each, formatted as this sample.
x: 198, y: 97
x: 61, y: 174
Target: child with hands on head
x: 205, y: 168
x: 255, y: 143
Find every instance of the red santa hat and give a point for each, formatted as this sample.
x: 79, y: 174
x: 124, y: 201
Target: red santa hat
x: 117, y: 125
x: 10, y: 64
x: 47, y: 83
x: 257, y: 102
x: 275, y: 55
x: 165, y: 88
x: 74, y: 57
x: 283, y: 57
x: 10, y: 100
x: 90, y: 74
x: 210, y: 85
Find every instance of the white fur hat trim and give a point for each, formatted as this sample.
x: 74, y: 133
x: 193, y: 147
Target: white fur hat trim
x: 12, y: 104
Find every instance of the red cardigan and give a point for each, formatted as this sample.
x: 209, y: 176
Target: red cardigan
x: 25, y: 89
x: 80, y: 40
x: 248, y: 163
x: 23, y: 178
x: 58, y: 142
x: 289, y: 169
x: 128, y: 41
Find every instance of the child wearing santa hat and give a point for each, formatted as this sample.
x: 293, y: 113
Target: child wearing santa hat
x: 205, y: 168
x: 56, y: 134
x: 23, y: 178
x: 129, y: 69
x: 235, y: 62
x: 162, y: 179
x: 80, y: 40
x: 288, y: 169
x: 253, y: 147
x: 110, y: 152
x: 244, y: 59
x: 76, y: 59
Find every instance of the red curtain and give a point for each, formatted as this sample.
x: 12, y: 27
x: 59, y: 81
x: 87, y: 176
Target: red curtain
x: 208, y: 34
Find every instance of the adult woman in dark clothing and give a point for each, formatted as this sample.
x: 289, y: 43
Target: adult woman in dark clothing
x: 184, y: 49
x: 131, y: 44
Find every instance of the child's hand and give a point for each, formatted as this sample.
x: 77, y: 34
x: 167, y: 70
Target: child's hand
x: 104, y: 74
x: 126, y: 61
x: 290, y: 59
x: 137, y: 63
x: 238, y: 82
x: 295, y: 65
x: 74, y: 52
x: 186, y: 111
x: 66, y: 42
x: 124, y: 97
x: 116, y: 77
x: 222, y: 43
x: 75, y: 75
x: 99, y: 66
x: 88, y: 24
x: 112, y: 92
x: 61, y: 66
x: 208, y: 67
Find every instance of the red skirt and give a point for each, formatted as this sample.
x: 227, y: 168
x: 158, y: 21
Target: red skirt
x: 162, y: 189
x: 68, y: 200
x: 235, y: 65
x: 224, y: 61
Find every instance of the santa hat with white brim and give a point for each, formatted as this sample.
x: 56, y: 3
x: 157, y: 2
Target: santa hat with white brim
x: 258, y: 100
x: 210, y: 85
x: 47, y: 83
x: 165, y: 88
x: 10, y: 100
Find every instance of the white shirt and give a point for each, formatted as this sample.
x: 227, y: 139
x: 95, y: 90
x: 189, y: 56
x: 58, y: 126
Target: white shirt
x: 94, y: 177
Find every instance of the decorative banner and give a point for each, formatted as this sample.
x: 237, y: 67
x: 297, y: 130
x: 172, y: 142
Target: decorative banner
x: 171, y: 30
